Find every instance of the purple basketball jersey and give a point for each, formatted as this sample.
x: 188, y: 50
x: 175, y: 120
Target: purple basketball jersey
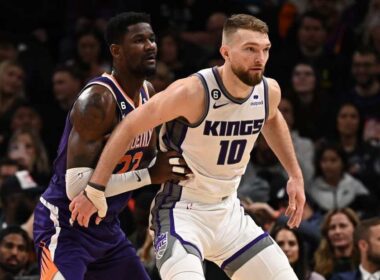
x: 89, y: 247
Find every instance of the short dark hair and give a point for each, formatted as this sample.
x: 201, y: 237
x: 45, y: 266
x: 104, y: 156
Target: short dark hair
x: 72, y: 70
x: 243, y: 21
x: 117, y: 27
x: 362, y: 230
x: 314, y: 15
x: 15, y: 230
x: 323, y: 147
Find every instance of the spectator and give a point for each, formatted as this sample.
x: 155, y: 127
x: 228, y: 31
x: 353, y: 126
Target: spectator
x: 15, y: 252
x: 365, y: 93
x: 309, y: 47
x: 11, y: 93
x: 67, y: 83
x: 367, y: 240
x: 26, y: 147
x: 291, y: 242
x: 26, y: 115
x: 362, y: 158
x: 174, y: 53
x: 308, y: 101
x: 210, y: 39
x: 8, y: 167
x: 333, y: 187
x: 19, y: 195
x: 89, y: 56
x: 336, y: 250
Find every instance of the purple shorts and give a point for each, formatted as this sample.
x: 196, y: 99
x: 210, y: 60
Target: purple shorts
x: 98, y: 252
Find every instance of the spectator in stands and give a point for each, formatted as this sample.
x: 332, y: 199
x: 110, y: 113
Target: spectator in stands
x: 171, y: 52
x: 26, y: 115
x: 11, y: 93
x: 67, y: 82
x: 210, y: 38
x: 15, y: 252
x: 362, y: 158
x: 8, y: 167
x: 310, y: 47
x: 89, y: 56
x: 336, y: 250
x: 367, y: 241
x: 19, y: 195
x: 26, y: 147
x: 333, y: 187
x: 365, y: 93
x: 310, y: 113
x: 291, y: 242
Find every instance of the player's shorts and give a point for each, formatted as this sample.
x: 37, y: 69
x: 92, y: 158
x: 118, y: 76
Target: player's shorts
x: 214, y: 229
x: 98, y: 252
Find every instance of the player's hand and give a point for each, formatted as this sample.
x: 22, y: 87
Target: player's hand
x: 87, y: 203
x: 169, y: 166
x: 296, y: 193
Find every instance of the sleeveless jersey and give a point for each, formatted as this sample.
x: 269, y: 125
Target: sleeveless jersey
x: 217, y: 149
x: 139, y: 155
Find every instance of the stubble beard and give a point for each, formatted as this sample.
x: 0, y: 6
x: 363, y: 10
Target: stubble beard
x: 373, y: 257
x: 246, y: 78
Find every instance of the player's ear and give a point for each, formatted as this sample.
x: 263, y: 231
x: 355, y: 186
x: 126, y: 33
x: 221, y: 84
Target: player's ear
x: 224, y: 51
x: 115, y: 50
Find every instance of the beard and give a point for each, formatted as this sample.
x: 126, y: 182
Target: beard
x: 245, y: 77
x: 145, y: 71
x: 13, y: 269
x: 373, y: 257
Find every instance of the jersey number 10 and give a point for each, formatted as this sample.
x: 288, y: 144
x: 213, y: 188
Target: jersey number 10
x: 232, y: 151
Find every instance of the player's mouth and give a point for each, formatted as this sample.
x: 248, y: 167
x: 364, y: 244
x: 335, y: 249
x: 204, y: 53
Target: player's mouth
x: 150, y: 58
x: 12, y: 261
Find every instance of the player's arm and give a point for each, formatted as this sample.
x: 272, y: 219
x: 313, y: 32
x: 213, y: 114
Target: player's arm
x: 277, y: 135
x: 93, y: 118
x: 184, y: 98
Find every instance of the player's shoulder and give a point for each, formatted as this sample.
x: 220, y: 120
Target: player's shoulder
x: 95, y: 95
x: 188, y: 86
x: 94, y: 100
x: 274, y: 90
x: 273, y: 85
x: 150, y: 88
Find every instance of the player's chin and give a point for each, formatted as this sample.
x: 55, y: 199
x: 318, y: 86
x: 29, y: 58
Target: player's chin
x: 150, y: 70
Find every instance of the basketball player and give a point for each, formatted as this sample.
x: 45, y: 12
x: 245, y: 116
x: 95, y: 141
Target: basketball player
x: 213, y: 119
x: 67, y: 250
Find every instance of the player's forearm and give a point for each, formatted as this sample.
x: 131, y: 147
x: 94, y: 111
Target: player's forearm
x: 277, y: 135
x: 114, y: 149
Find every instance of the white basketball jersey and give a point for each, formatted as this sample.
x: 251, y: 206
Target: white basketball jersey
x: 217, y: 149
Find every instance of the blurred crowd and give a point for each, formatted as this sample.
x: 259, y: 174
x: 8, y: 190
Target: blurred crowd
x: 325, y: 56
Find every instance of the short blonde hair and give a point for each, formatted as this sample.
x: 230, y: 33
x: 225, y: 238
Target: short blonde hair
x: 243, y: 21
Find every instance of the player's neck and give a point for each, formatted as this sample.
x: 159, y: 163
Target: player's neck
x: 233, y: 84
x: 129, y: 82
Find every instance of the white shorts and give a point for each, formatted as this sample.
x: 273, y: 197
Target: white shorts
x: 218, y: 231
